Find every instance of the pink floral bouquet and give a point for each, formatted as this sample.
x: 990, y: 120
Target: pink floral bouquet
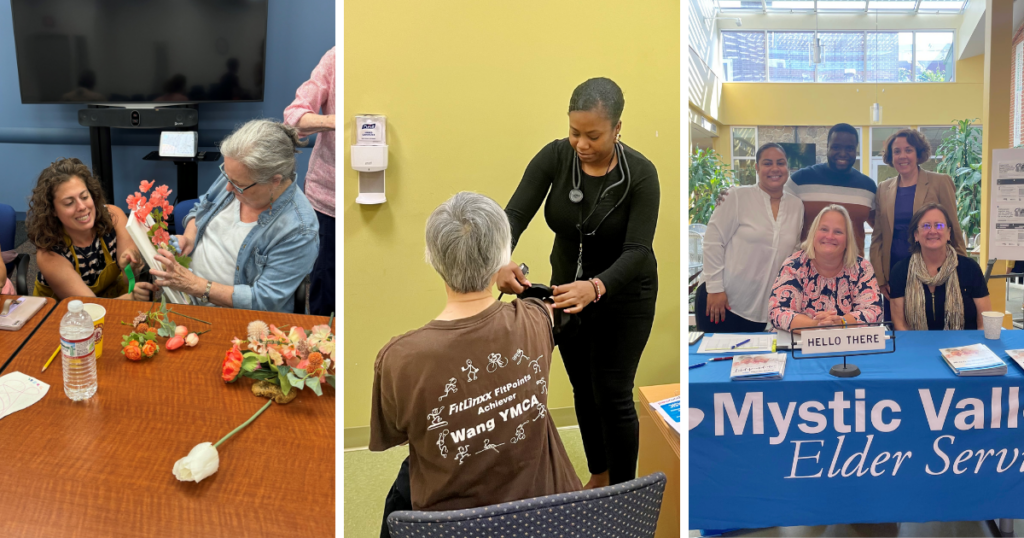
x: 147, y: 226
x: 296, y: 359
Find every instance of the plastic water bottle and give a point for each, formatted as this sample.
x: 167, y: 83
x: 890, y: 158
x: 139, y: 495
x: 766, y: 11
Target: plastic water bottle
x: 78, y: 353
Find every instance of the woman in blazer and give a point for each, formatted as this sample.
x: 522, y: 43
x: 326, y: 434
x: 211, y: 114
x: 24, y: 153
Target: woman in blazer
x: 898, y: 198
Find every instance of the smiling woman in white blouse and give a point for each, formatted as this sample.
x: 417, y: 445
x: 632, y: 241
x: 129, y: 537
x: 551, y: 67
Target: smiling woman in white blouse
x: 749, y: 236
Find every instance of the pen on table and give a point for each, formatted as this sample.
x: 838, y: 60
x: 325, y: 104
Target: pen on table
x: 740, y: 344
x: 698, y: 365
x: 47, y: 365
x: 720, y: 359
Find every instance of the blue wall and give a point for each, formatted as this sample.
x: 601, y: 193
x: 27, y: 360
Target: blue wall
x: 33, y: 136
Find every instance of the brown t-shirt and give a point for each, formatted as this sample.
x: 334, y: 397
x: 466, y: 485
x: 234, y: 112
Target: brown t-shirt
x: 470, y: 397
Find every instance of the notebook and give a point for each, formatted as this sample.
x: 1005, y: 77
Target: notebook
x: 22, y: 310
x: 758, y: 367
x: 973, y: 360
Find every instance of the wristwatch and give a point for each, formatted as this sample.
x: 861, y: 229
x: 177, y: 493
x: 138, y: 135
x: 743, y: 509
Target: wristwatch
x: 206, y: 294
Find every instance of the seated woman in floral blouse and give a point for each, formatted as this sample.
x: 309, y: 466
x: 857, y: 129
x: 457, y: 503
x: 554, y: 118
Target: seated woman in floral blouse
x: 826, y: 282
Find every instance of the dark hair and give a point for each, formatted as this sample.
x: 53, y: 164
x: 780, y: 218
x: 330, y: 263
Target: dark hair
x: 598, y: 94
x: 757, y: 156
x: 44, y: 228
x: 916, y: 219
x: 915, y: 139
x: 843, y: 128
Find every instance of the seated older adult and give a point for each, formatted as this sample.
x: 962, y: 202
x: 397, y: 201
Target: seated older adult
x: 468, y: 390
x: 936, y: 288
x: 81, y: 243
x: 253, y: 236
x: 826, y: 282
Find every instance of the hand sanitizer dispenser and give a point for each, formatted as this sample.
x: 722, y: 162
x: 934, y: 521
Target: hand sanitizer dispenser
x: 370, y: 157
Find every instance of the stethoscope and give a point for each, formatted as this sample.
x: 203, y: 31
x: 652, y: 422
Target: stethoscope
x: 576, y: 196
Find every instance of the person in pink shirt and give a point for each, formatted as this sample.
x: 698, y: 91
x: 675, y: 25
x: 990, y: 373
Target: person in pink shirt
x: 312, y: 111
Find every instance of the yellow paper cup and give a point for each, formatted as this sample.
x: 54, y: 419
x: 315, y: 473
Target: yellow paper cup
x: 97, y: 313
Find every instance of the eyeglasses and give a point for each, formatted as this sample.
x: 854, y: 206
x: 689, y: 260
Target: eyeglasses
x: 927, y: 227
x: 240, y: 190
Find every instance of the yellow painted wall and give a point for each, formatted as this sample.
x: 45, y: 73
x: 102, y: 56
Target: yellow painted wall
x: 472, y: 91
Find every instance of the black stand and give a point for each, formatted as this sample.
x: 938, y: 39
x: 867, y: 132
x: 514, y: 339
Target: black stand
x: 102, y: 167
x: 188, y: 171
x: 845, y: 370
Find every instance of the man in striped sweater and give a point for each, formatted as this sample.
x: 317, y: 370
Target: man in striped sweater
x: 837, y: 182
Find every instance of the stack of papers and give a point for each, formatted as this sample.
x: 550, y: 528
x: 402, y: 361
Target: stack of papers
x: 973, y: 360
x: 670, y: 411
x: 758, y: 367
x: 739, y: 343
x: 1017, y: 355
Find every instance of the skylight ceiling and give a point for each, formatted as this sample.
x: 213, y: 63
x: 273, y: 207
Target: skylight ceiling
x: 947, y: 7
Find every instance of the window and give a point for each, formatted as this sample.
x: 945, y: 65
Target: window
x: 788, y: 57
x: 934, y: 53
x: 744, y: 149
x: 744, y: 56
x: 943, y: 7
x: 844, y: 59
x: 886, y: 56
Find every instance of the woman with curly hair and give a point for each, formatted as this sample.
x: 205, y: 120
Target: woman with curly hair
x: 81, y: 243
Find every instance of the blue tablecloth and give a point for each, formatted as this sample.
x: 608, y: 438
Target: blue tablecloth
x: 746, y: 473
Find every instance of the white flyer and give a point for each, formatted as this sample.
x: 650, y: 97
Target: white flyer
x: 18, y: 391
x: 1006, y: 228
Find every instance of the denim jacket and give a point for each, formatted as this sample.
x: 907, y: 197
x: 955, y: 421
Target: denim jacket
x: 276, y: 254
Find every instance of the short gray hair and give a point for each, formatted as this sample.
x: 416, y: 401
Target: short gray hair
x: 266, y: 149
x: 468, y: 240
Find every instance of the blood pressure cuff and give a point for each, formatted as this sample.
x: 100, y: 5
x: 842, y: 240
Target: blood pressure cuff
x: 565, y: 325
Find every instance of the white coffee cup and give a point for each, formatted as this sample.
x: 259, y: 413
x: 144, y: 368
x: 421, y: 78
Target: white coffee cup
x: 993, y: 324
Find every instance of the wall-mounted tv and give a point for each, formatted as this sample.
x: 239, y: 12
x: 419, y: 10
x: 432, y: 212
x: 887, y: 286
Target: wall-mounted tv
x: 140, y: 51
x: 799, y: 155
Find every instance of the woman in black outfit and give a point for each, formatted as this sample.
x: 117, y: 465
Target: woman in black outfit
x: 603, y: 208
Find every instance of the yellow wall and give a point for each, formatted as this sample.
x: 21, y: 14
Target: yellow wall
x: 828, y: 104
x: 472, y: 91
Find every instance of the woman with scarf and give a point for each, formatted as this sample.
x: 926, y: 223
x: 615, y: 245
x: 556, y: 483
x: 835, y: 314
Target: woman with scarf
x: 937, y: 289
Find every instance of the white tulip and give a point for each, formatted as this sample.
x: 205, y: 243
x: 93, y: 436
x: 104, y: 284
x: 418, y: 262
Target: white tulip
x: 200, y: 463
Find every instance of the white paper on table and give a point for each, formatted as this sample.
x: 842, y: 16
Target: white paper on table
x: 18, y: 391
x: 139, y: 234
x: 722, y: 343
x: 669, y: 410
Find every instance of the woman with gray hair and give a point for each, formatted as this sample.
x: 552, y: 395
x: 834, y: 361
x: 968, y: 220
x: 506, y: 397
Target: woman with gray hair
x: 468, y: 391
x: 253, y: 235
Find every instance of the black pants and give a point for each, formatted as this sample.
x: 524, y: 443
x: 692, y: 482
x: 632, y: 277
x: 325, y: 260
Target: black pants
x: 732, y: 322
x: 399, y: 498
x: 321, y: 280
x: 601, y: 359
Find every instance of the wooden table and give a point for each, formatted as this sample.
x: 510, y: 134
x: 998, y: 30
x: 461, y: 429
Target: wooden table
x: 10, y: 341
x: 659, y: 451
x: 102, y: 467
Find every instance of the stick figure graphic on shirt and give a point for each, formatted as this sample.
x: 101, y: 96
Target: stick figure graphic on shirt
x: 520, y: 433
x: 536, y: 364
x: 450, y: 388
x: 490, y: 446
x: 441, y: 445
x: 435, y: 419
x: 541, y: 412
x: 543, y: 385
x: 495, y: 361
x: 463, y: 454
x: 471, y: 376
x: 519, y: 356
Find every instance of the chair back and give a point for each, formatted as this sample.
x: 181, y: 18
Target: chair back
x: 180, y: 212
x: 627, y: 510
